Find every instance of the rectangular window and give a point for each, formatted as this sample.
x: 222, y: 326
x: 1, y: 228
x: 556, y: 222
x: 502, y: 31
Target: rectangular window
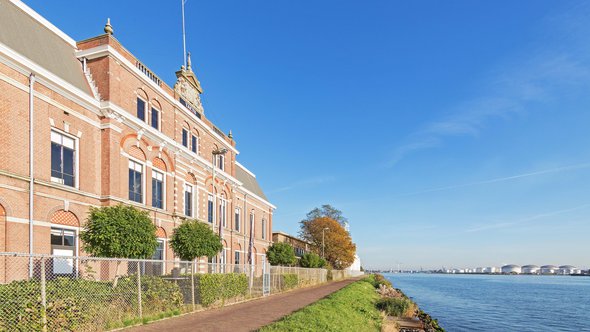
x: 157, y: 189
x: 141, y: 109
x: 237, y: 257
x: 185, y: 138
x: 237, y: 219
x: 62, y: 159
x: 188, y: 200
x: 263, y: 229
x: 155, y: 118
x: 220, y: 161
x: 222, y: 212
x: 135, y: 187
x: 210, y: 209
x: 194, y: 144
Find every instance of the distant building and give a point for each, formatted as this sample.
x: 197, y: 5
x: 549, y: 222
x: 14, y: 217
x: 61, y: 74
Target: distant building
x: 530, y: 269
x: 479, y: 270
x: 511, y: 269
x: 568, y: 269
x: 491, y: 269
x: 549, y: 269
x: 301, y: 247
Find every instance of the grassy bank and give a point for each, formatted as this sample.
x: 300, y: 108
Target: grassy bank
x: 350, y: 309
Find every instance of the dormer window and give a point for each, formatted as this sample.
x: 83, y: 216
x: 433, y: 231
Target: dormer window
x: 141, y: 109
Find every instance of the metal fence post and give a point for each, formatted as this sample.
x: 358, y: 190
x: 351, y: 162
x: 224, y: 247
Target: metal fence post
x: 193, y: 284
x: 139, y: 290
x: 43, y: 297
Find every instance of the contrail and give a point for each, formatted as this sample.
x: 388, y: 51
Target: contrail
x: 502, y: 179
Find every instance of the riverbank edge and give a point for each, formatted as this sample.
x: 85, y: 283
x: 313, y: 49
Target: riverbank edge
x: 406, y: 316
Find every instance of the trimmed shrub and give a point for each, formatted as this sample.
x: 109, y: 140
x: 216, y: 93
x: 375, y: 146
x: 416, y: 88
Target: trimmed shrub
x: 78, y: 304
x: 214, y: 287
x: 395, y: 306
x: 290, y: 280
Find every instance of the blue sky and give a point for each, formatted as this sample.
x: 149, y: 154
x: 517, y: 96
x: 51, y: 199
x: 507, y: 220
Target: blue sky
x: 449, y: 133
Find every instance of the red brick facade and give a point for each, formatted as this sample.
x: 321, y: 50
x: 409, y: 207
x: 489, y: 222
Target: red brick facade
x: 107, y: 135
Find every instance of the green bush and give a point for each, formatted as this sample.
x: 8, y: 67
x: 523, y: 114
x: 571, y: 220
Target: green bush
x: 78, y: 304
x: 290, y: 280
x: 214, y: 287
x: 396, y: 306
x: 312, y: 260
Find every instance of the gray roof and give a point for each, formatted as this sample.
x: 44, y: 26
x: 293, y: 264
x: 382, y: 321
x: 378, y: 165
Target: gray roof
x: 249, y: 182
x: 28, y: 37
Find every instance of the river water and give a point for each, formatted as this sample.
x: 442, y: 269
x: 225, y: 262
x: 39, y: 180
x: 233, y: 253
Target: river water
x: 500, y: 302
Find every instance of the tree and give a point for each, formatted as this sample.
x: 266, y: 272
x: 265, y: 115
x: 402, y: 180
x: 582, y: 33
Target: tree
x: 194, y: 239
x: 326, y: 211
x: 120, y: 231
x: 339, y: 248
x: 281, y: 254
x: 312, y: 260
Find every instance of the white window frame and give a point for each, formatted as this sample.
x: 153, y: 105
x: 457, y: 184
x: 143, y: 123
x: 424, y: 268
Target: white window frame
x: 76, y: 231
x: 152, y: 108
x: 263, y: 228
x: 156, y: 172
x: 238, y: 213
x: 76, y: 158
x: 223, y: 211
x: 196, y: 143
x: 188, y: 138
x: 145, y: 110
x: 221, y: 162
x: 143, y: 176
x: 211, y: 200
x: 191, y: 187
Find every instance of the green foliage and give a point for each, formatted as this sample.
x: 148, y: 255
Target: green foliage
x: 79, y: 305
x: 195, y: 239
x: 281, y: 254
x: 312, y: 260
x: 119, y: 231
x: 396, y: 306
x: 215, y: 287
x: 326, y: 211
x: 290, y: 280
x: 350, y: 309
x: 379, y: 279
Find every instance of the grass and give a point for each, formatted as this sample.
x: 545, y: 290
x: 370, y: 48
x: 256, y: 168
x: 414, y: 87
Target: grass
x: 350, y: 309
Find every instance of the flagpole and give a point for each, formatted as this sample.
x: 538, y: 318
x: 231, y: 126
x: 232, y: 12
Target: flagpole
x: 183, y: 33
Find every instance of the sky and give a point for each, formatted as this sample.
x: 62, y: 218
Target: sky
x: 450, y: 134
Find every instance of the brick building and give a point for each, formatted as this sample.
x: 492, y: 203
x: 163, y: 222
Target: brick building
x: 301, y: 247
x: 106, y: 130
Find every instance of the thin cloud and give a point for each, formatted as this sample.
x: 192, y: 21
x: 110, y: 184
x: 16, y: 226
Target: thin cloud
x: 503, y: 179
x: 311, y: 182
x: 525, y: 220
x: 511, y: 90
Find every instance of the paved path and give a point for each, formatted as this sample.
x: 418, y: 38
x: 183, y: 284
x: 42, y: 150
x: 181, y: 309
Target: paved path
x: 247, y: 316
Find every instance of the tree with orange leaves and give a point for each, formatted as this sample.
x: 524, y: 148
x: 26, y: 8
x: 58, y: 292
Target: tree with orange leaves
x: 337, y: 244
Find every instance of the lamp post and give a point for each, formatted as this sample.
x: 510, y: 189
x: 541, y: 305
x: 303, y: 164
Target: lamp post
x: 216, y: 153
x: 323, y: 242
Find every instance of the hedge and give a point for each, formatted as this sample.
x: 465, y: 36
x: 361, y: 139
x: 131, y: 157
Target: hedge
x: 214, y: 287
x: 78, y: 304
x: 290, y: 280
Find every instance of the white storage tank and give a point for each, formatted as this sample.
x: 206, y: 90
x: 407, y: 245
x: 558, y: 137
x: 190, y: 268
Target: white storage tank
x: 549, y: 269
x: 511, y: 269
x: 530, y: 269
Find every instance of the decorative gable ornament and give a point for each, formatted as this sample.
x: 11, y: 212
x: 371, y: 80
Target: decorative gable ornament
x: 189, y: 88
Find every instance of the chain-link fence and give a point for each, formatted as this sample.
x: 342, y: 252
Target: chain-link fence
x: 65, y: 293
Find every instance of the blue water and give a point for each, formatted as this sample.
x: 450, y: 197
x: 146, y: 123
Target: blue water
x: 499, y: 302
